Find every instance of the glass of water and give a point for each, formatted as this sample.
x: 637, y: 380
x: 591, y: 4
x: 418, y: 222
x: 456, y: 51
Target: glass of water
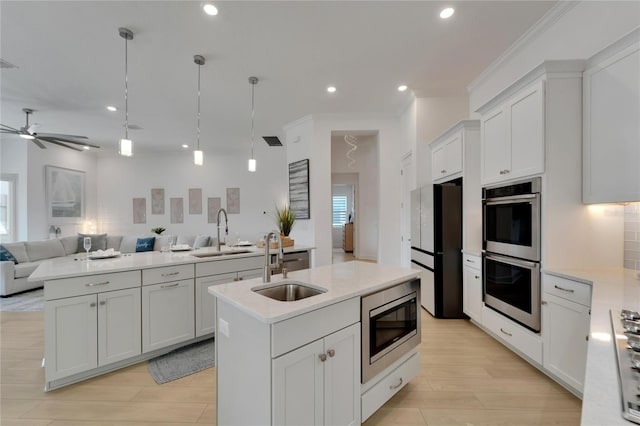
x: 86, y: 243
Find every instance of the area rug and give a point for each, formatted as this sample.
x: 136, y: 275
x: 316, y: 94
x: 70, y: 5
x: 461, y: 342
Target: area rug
x: 183, y: 362
x: 30, y: 301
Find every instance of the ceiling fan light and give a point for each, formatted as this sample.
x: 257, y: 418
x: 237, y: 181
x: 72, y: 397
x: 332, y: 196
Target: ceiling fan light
x: 126, y: 148
x: 198, y: 157
x: 252, y: 165
x: 27, y: 136
x: 210, y: 9
x: 87, y: 148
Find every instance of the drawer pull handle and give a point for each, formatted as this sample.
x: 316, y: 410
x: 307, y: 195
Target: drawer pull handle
x: 476, y: 276
x: 95, y: 284
x: 323, y: 357
x: 396, y: 386
x: 469, y: 260
x: 170, y: 274
x: 331, y: 353
x: 568, y: 290
x: 505, y: 332
x: 102, y: 303
x: 169, y: 285
x: 443, y: 171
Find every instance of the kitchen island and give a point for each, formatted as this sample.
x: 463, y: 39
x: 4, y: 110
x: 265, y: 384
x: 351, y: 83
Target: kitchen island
x: 299, y: 362
x: 612, y: 289
x: 105, y: 314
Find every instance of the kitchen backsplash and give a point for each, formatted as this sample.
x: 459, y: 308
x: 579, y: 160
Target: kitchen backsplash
x: 632, y: 236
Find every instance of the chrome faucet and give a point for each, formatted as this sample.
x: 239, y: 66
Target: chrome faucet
x: 226, y: 224
x: 268, y: 266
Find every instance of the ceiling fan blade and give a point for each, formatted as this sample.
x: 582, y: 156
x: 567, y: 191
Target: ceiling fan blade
x: 60, y: 144
x: 60, y: 135
x: 59, y: 139
x: 9, y: 127
x: 40, y: 144
x: 8, y: 131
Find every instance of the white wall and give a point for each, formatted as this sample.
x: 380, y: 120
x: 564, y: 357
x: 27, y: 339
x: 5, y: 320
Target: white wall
x: 13, y: 159
x: 121, y: 179
x: 579, y: 33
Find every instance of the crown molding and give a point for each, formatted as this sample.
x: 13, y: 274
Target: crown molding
x: 549, y: 18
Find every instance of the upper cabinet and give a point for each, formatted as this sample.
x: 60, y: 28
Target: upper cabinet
x: 446, y: 158
x: 611, y: 123
x: 513, y: 136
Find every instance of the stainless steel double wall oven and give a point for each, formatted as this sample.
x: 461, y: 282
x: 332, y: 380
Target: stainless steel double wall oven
x: 511, y: 250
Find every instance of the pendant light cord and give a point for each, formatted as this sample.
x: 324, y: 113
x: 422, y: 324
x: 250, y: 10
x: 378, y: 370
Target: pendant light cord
x: 126, y: 89
x: 253, y: 87
x: 198, y: 133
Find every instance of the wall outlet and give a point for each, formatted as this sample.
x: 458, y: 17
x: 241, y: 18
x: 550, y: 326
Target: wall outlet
x: 223, y: 327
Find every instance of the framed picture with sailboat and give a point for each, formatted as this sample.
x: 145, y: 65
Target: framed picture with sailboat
x: 65, y: 194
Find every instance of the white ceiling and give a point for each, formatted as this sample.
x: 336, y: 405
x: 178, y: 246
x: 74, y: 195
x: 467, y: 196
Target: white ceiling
x: 70, y: 62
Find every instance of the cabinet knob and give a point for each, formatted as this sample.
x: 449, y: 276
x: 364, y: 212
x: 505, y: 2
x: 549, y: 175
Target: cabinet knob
x: 443, y: 171
x: 102, y: 303
x: 92, y: 305
x: 476, y: 276
x: 544, y: 302
x: 331, y: 353
x: 323, y: 357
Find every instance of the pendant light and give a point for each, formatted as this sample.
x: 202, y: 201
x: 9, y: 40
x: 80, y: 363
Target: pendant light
x: 252, y: 161
x: 126, y: 144
x: 198, y: 157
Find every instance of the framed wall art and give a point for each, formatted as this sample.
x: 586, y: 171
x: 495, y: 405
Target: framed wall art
x: 64, y: 194
x: 299, y: 200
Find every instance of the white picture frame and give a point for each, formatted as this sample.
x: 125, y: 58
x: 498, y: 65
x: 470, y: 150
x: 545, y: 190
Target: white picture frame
x: 65, y: 195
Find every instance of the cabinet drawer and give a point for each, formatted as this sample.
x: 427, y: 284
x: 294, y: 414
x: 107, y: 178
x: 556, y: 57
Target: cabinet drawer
x: 382, y: 391
x: 228, y: 265
x: 90, y: 284
x: 567, y: 289
x: 167, y: 273
x: 471, y: 261
x: 515, y: 335
x: 298, y: 331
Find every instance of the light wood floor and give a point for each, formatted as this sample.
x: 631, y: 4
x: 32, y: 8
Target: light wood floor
x: 467, y: 378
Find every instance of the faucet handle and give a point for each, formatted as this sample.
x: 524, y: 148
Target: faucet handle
x: 285, y: 272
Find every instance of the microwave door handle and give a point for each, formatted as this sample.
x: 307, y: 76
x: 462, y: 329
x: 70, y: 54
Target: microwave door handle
x: 509, y: 200
x: 511, y: 261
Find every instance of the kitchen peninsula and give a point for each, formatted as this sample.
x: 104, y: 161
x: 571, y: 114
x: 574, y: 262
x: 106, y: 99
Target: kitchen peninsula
x: 105, y: 314
x: 299, y: 362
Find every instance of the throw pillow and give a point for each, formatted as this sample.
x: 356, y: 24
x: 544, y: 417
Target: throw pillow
x: 98, y: 242
x: 145, y: 244
x: 201, y: 241
x: 6, y: 255
x: 128, y: 244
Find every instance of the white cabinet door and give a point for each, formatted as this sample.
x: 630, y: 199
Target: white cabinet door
x: 472, y: 293
x: 298, y: 386
x: 71, y: 336
x: 438, y: 163
x: 565, y: 331
x: 496, y: 150
x: 453, y: 155
x: 167, y: 314
x: 119, y: 325
x: 206, y: 302
x: 526, y: 132
x: 342, y: 377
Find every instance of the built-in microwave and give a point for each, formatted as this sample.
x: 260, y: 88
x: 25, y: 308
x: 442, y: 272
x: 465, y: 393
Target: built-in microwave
x: 511, y: 219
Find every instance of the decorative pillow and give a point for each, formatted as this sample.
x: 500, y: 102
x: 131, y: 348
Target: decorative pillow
x: 70, y: 244
x: 98, y: 242
x: 128, y: 244
x: 186, y: 239
x: 163, y: 241
x: 201, y: 241
x: 6, y: 255
x: 145, y: 244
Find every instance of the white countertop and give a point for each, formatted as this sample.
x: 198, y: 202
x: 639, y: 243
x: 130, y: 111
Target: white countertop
x: 342, y: 281
x: 611, y: 289
x: 65, y: 267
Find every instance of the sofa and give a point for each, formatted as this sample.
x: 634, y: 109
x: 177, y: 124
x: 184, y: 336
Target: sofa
x: 28, y: 255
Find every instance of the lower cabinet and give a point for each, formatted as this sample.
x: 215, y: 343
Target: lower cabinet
x: 472, y: 288
x: 319, y: 383
x: 86, y: 332
x: 513, y: 334
x: 167, y: 314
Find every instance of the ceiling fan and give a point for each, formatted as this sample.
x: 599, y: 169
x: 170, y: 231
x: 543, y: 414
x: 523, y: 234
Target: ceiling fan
x: 28, y: 132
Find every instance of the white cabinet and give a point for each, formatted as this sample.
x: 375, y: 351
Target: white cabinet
x: 611, y: 128
x: 524, y: 341
x: 119, y: 325
x: 446, y: 158
x: 565, y: 329
x: 472, y: 287
x: 319, y: 384
x: 513, y: 136
x: 167, y: 314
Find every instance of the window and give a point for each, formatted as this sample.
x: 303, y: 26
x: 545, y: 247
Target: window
x: 339, y: 210
x: 7, y: 208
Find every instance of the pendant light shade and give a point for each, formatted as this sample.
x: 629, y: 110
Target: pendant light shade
x: 198, y: 156
x: 252, y: 161
x: 126, y: 144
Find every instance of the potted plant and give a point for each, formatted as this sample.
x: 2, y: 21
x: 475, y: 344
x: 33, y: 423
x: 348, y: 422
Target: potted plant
x: 159, y: 230
x: 285, y: 218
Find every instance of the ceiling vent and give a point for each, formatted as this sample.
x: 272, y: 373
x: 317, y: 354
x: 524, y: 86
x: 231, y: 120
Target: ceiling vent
x: 134, y: 127
x: 6, y: 65
x: 272, y: 140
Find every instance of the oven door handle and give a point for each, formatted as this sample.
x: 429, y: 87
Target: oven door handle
x: 512, y: 261
x: 393, y: 304
x: 526, y: 198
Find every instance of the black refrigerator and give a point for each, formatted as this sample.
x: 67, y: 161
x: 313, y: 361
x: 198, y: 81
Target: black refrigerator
x: 447, y: 227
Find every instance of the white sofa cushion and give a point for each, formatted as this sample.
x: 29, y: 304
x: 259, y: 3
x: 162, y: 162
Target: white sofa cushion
x: 46, y: 249
x: 186, y: 239
x: 201, y: 241
x: 18, y: 250
x: 128, y: 244
x: 25, y: 269
x: 114, y: 241
x: 70, y: 244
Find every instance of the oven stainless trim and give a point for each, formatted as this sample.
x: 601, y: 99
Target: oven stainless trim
x: 532, y: 320
x: 387, y: 298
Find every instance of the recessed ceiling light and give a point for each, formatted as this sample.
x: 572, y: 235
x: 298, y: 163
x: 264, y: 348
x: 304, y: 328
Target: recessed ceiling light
x: 331, y: 89
x: 87, y: 148
x: 184, y: 145
x: 112, y: 108
x: 210, y: 9
x: 447, y: 13
x: 402, y: 87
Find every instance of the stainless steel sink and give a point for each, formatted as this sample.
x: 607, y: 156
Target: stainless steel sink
x: 221, y: 253
x: 289, y: 291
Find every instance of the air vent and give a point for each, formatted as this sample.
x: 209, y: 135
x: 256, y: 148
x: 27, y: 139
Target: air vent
x: 134, y: 127
x: 272, y: 140
x: 6, y: 65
